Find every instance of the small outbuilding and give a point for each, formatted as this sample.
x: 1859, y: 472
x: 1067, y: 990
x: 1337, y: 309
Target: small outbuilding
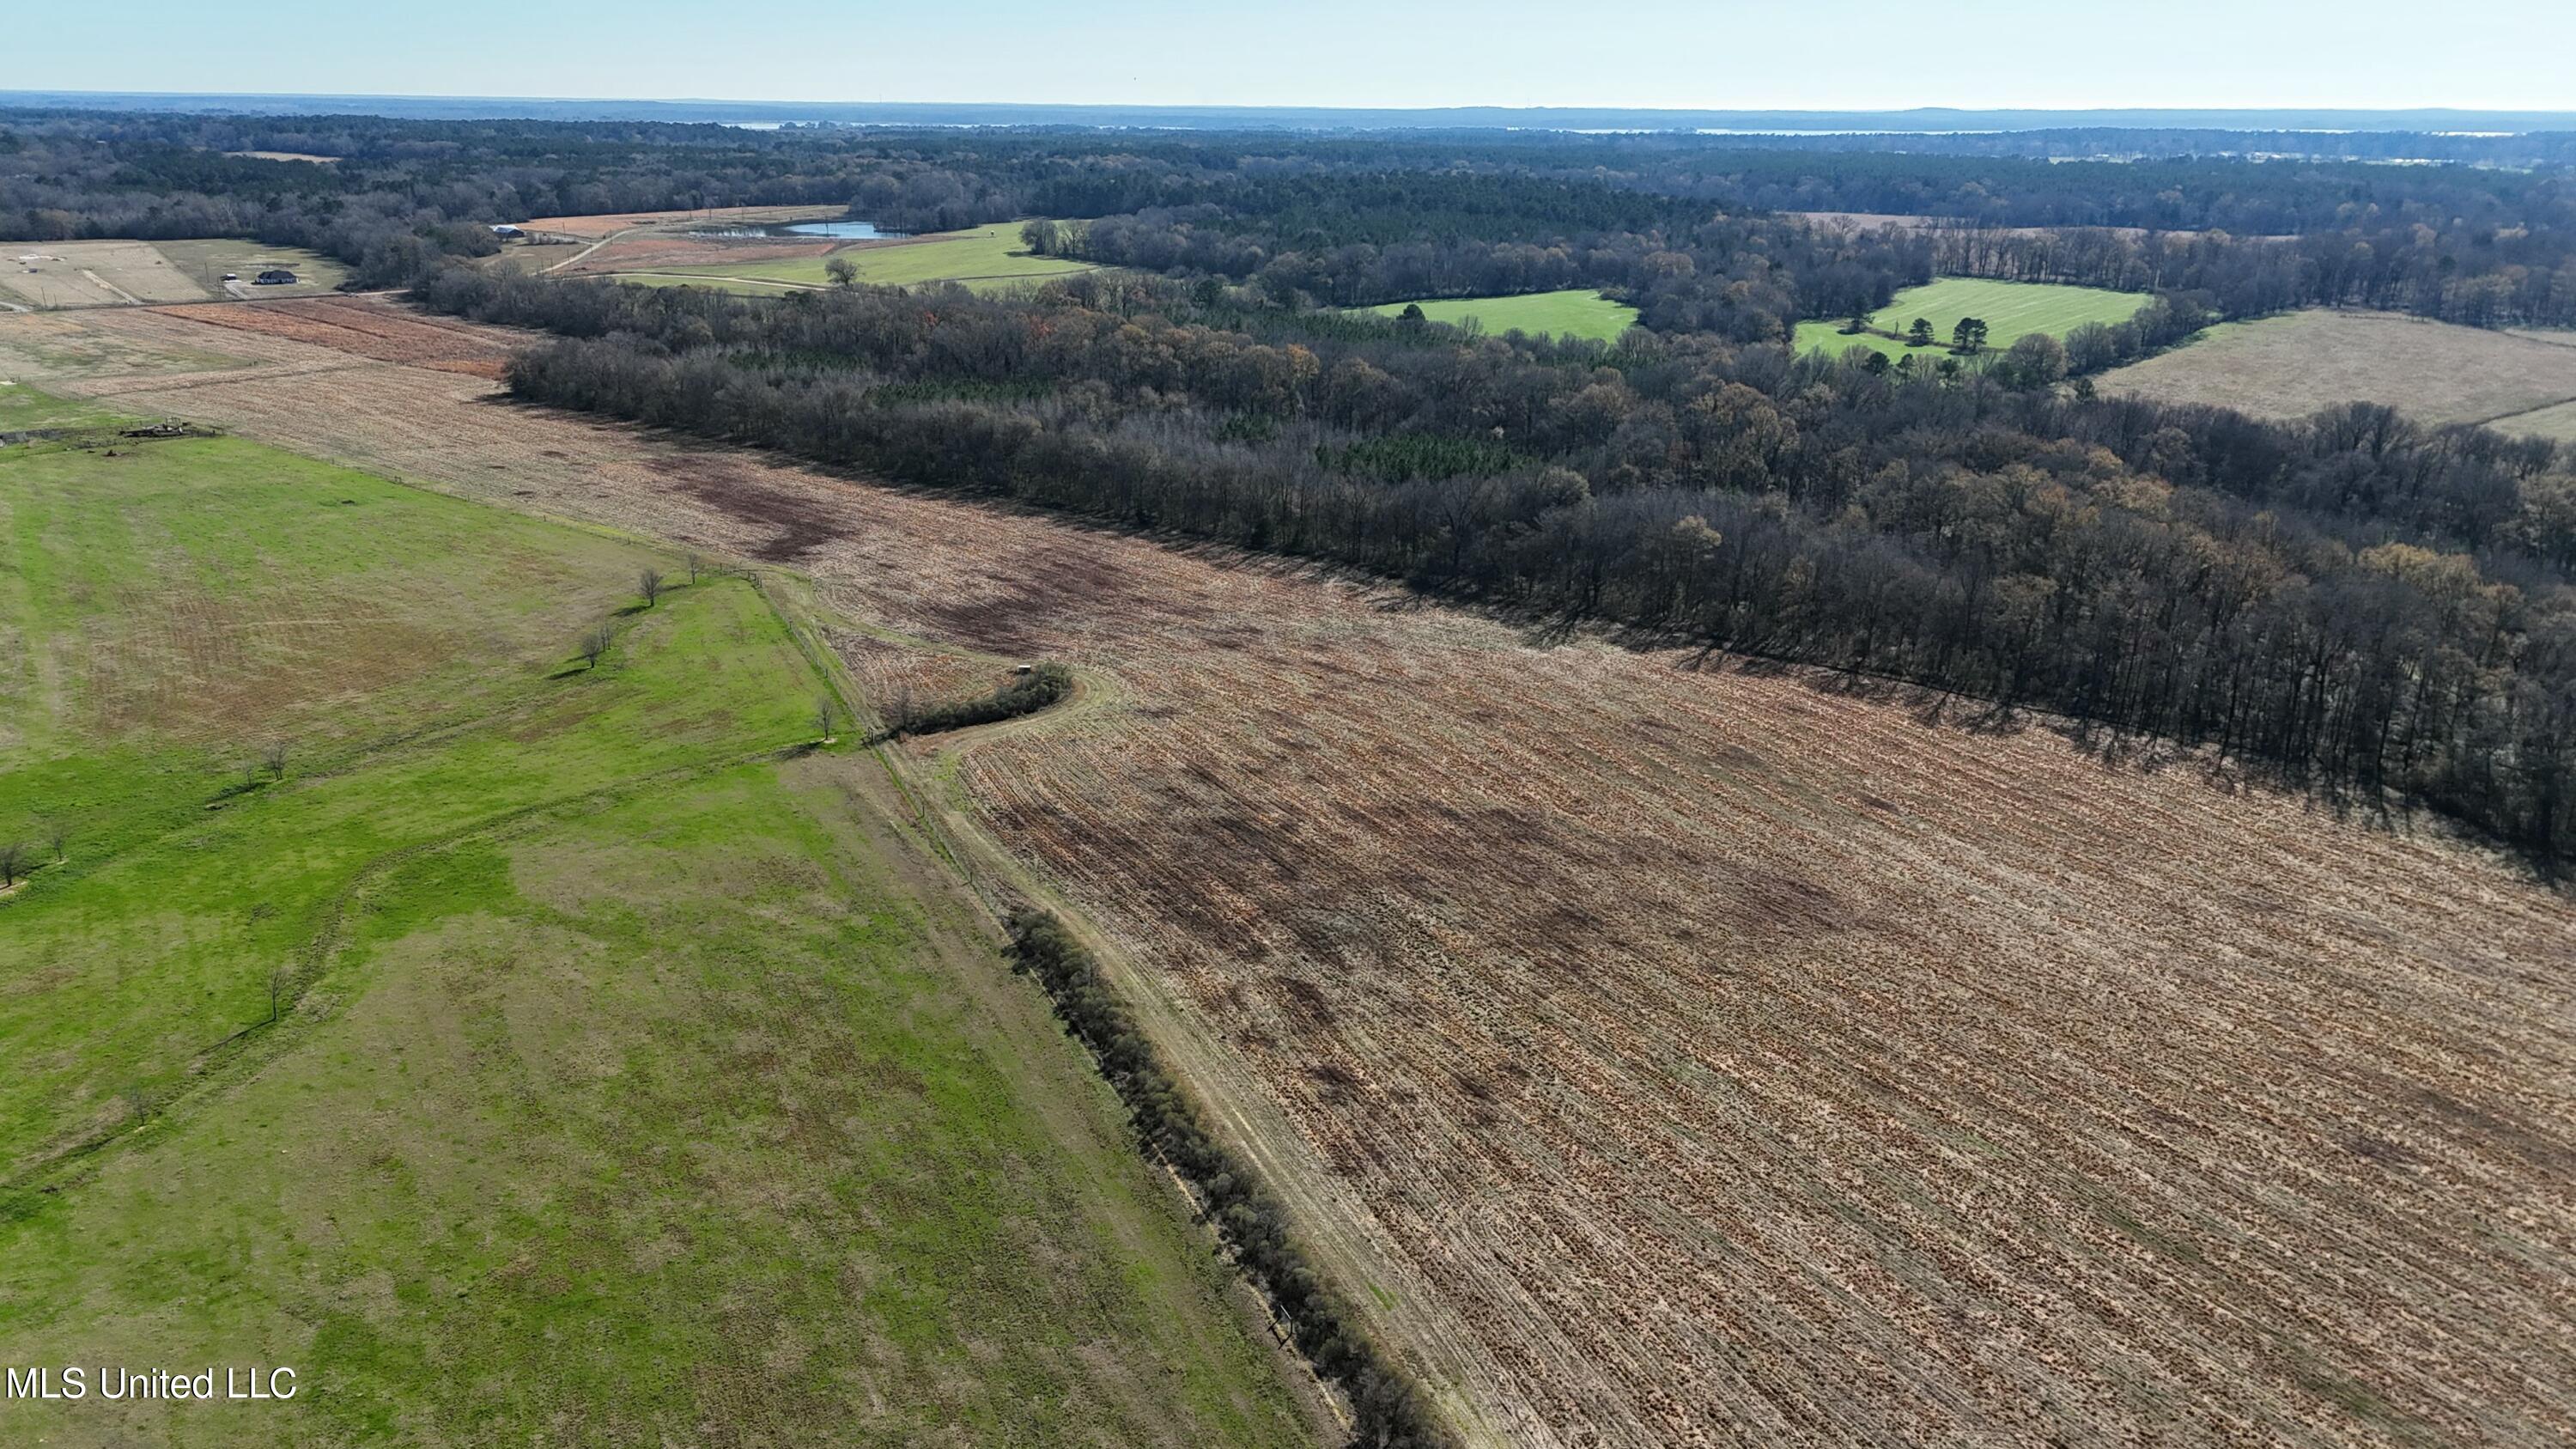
x: 507, y: 233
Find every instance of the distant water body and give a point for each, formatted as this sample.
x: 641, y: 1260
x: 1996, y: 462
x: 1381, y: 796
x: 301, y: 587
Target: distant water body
x: 837, y: 230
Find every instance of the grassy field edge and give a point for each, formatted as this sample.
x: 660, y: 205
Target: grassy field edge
x: 313, y: 998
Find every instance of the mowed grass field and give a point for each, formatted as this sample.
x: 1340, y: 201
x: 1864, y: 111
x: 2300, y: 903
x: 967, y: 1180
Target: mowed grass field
x: 1572, y: 313
x: 988, y: 256
x: 2292, y: 365
x: 204, y: 261
x: 547, y: 1050
x: 126, y: 273
x: 2011, y: 310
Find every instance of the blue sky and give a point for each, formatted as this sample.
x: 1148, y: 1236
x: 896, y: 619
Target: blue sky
x: 1714, y: 53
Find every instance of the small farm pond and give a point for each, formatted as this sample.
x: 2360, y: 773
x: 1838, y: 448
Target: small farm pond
x: 838, y: 230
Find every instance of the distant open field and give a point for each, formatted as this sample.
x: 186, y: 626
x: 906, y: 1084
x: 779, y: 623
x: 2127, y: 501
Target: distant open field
x: 2436, y: 372
x: 609, y: 223
x: 1858, y: 221
x: 205, y: 262
x: 2011, y: 310
x: 988, y: 256
x: 536, y: 1044
x: 737, y: 286
x: 651, y: 250
x: 93, y: 274
x: 2556, y: 423
x: 126, y: 273
x: 1676, y: 1053
x: 1573, y: 313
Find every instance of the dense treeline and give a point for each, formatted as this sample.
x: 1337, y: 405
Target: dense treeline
x: 1341, y: 219
x: 2493, y: 258
x: 2490, y: 277
x: 2355, y: 602
x: 1387, y: 1408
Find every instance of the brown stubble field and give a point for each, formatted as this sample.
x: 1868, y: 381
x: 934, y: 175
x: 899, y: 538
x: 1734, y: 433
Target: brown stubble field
x: 600, y: 224
x: 2292, y: 364
x: 1675, y: 1054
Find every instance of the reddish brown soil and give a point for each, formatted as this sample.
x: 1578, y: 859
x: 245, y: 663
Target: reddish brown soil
x: 365, y: 329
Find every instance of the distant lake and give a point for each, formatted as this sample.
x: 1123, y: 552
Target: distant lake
x: 837, y: 230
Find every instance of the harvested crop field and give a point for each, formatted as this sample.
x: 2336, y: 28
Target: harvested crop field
x: 369, y: 330
x: 1673, y: 1054
x: 608, y: 223
x: 40, y: 345
x: 2298, y: 362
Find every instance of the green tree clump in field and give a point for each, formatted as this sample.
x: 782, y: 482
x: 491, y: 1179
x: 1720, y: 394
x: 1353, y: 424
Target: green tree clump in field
x: 1040, y: 687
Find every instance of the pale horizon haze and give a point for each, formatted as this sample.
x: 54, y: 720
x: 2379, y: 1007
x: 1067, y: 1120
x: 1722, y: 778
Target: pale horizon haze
x: 1828, y: 55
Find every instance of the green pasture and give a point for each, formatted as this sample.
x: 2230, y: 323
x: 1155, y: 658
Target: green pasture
x: 1576, y: 312
x: 2011, y: 310
x: 23, y: 407
x: 546, y: 1051
x: 206, y: 259
x: 986, y: 256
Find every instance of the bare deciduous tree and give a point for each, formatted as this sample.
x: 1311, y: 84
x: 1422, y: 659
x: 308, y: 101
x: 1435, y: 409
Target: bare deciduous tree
x: 697, y: 561
x: 595, y: 643
x: 900, y: 719
x: 823, y: 716
x: 276, y: 988
x: 12, y: 856
x: 649, y: 584
x: 60, y: 835
x: 275, y: 759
